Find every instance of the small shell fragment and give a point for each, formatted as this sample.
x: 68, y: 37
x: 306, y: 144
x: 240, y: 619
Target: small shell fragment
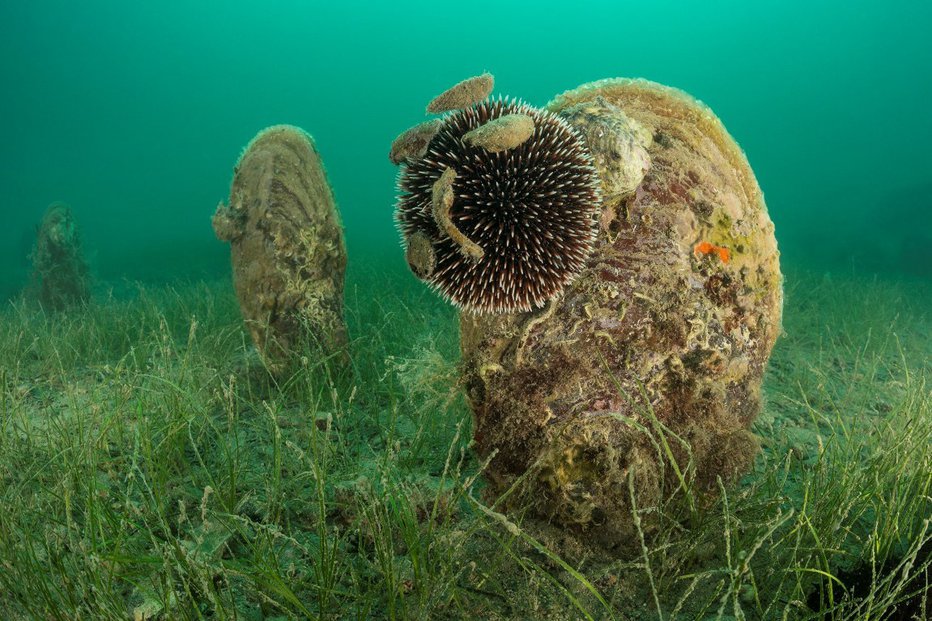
x: 503, y: 133
x: 442, y: 202
x: 618, y: 143
x: 420, y: 255
x: 467, y: 93
x: 227, y: 225
x: 413, y: 142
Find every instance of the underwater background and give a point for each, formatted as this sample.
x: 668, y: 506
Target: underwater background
x: 156, y: 462
x: 134, y: 113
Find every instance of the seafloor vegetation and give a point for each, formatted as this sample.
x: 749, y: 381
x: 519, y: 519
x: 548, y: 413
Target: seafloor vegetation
x: 150, y: 469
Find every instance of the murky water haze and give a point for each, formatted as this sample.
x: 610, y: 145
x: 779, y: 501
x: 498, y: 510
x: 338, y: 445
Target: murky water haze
x: 134, y: 113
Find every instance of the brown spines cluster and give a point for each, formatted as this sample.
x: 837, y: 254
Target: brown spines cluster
x: 523, y: 213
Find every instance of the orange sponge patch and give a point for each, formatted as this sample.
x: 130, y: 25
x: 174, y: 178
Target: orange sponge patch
x: 706, y: 248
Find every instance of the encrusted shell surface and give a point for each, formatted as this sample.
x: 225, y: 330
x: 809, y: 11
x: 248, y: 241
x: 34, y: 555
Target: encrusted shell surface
x: 463, y: 94
x: 652, y: 336
x: 286, y: 245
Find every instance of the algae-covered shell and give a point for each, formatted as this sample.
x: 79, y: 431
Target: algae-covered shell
x: 286, y: 244
x: 462, y: 95
x: 658, y: 334
x: 60, y: 276
x: 505, y: 132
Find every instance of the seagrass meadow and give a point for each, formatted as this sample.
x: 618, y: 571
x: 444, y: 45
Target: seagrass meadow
x: 147, y: 474
x: 300, y: 321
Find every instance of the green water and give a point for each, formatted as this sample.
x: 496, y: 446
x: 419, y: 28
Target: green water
x: 134, y: 112
x: 150, y: 468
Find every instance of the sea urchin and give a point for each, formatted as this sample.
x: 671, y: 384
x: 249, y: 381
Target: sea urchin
x: 509, y: 228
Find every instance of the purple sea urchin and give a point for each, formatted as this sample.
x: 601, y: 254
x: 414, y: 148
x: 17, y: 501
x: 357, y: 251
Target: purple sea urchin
x: 531, y: 209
